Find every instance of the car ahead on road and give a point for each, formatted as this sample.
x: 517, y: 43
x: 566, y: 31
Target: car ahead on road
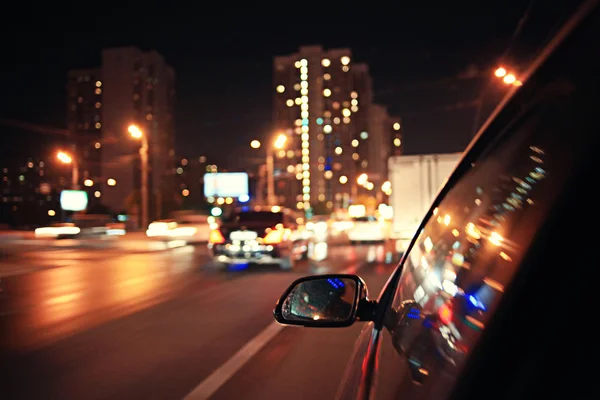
x: 488, y: 300
x: 193, y: 229
x: 257, y: 237
x: 367, y: 229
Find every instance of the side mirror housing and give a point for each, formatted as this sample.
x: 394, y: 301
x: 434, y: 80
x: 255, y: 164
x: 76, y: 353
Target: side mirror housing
x: 324, y: 301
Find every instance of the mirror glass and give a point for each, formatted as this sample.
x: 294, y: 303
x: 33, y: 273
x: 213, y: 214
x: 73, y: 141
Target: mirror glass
x: 326, y: 299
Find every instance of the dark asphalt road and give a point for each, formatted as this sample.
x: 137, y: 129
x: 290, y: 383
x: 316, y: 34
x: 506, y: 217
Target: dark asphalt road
x: 157, y: 325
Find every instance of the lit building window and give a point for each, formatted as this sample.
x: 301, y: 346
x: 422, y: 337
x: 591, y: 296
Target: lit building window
x: 304, y: 114
x: 345, y: 60
x: 280, y: 89
x: 98, y: 84
x: 327, y: 92
x: 396, y: 126
x: 98, y: 125
x: 325, y: 62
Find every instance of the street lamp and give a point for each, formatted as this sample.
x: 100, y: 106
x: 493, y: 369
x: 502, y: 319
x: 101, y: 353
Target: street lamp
x: 136, y: 133
x: 67, y: 159
x: 278, y: 144
x: 507, y: 77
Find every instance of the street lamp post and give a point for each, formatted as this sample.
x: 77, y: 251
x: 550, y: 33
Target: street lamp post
x: 136, y: 133
x: 508, y: 78
x: 277, y: 145
x: 270, y: 178
x: 270, y: 164
x: 67, y: 159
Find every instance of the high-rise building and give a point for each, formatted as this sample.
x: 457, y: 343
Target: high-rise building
x: 130, y: 87
x: 30, y: 191
x: 384, y: 135
x: 324, y: 103
x: 84, y: 114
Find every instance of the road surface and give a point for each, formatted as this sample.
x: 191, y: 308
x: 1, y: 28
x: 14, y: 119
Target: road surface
x: 105, y: 323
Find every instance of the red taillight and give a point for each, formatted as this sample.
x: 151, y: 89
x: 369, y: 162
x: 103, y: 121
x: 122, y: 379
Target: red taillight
x: 274, y: 237
x: 216, y: 237
x: 445, y: 313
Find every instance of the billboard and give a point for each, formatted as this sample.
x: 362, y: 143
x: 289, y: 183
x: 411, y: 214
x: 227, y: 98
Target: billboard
x: 226, y: 184
x: 73, y: 200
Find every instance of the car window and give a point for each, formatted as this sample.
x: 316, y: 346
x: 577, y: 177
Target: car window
x: 256, y: 217
x: 469, y: 251
x: 369, y: 218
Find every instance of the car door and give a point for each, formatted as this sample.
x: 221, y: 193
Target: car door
x: 476, y: 237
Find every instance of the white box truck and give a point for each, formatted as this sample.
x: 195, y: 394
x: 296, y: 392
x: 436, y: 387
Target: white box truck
x: 416, y: 180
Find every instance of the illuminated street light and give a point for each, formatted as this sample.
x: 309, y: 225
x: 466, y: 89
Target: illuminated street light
x: 279, y: 144
x: 137, y: 133
x: 500, y: 72
x: 280, y: 141
x: 509, y: 79
x: 64, y: 157
x: 67, y: 159
x: 362, y: 179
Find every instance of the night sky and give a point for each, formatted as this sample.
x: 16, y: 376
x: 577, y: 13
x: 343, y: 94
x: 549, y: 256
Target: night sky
x: 428, y: 65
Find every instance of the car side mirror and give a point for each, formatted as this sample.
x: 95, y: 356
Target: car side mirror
x: 324, y: 301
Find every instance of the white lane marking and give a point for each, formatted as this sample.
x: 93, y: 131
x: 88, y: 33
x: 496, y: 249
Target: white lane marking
x: 214, y: 381
x: 221, y: 375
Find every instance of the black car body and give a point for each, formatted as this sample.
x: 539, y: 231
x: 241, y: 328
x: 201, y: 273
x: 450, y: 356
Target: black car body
x: 257, y: 237
x: 488, y: 299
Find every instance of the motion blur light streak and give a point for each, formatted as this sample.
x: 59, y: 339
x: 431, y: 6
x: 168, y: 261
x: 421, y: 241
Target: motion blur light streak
x: 63, y: 299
